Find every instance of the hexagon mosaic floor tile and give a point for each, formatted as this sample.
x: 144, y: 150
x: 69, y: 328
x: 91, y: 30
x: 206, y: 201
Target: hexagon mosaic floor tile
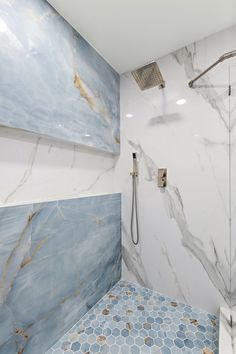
x: 132, y: 320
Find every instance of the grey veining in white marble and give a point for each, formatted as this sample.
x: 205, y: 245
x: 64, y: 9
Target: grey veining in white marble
x: 217, y: 273
x: 227, y: 335
x: 187, y: 247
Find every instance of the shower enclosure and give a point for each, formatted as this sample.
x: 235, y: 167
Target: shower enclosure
x: 227, y: 314
x: 224, y: 96
x: 187, y: 231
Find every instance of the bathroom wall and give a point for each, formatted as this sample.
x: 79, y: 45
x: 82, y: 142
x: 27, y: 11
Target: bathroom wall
x: 35, y: 169
x: 39, y: 93
x: 185, y: 247
x: 52, y: 81
x: 227, y: 338
x: 57, y: 259
x: 50, y: 275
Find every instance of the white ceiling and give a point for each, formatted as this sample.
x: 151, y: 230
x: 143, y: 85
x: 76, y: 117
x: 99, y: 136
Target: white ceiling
x: 130, y: 33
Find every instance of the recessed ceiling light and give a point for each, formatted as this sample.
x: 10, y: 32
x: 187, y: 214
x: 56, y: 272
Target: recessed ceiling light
x: 87, y: 135
x: 129, y: 115
x: 181, y: 101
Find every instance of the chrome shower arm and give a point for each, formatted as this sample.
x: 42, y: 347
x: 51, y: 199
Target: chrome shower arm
x: 223, y: 57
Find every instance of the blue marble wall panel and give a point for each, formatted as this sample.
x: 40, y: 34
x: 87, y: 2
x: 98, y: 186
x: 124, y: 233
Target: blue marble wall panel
x: 57, y: 259
x: 52, y: 81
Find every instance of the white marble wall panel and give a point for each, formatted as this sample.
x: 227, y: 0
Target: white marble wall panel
x: 35, y: 169
x: 185, y: 229
x: 226, y: 332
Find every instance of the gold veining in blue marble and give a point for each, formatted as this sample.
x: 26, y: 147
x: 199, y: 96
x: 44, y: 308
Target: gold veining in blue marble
x: 52, y: 81
x: 57, y: 259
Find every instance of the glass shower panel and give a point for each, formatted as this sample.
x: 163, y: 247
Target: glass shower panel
x: 233, y: 198
x: 216, y: 139
x: 227, y: 338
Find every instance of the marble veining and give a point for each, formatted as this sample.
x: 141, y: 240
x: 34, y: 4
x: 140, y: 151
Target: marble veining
x: 57, y: 259
x: 46, y: 170
x: 53, y: 82
x: 227, y: 333
x: 214, y: 268
x: 27, y: 172
x: 187, y: 248
x: 186, y: 57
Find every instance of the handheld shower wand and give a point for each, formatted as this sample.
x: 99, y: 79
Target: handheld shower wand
x: 134, y: 208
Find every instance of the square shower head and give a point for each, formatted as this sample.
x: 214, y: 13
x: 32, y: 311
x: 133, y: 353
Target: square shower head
x: 148, y: 76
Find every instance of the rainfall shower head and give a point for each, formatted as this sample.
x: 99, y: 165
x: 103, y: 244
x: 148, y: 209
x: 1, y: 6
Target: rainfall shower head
x: 149, y: 76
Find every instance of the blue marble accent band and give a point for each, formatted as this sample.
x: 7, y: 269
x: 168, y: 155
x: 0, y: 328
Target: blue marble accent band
x: 53, y: 82
x: 57, y: 259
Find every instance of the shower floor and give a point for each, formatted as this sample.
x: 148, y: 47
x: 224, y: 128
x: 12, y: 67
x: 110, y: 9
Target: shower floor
x: 131, y: 319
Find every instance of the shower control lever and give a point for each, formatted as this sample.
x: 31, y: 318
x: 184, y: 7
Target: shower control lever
x: 162, y: 178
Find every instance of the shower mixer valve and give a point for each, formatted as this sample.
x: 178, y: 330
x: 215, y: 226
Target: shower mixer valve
x: 134, y: 173
x: 162, y: 178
